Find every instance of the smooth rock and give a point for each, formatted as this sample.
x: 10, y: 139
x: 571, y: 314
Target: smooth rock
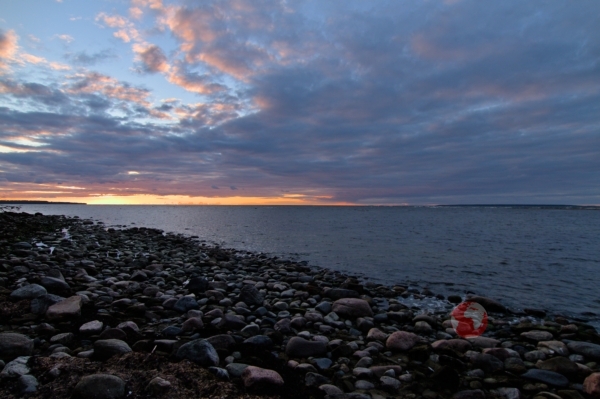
x: 70, y: 307
x: 537, y: 335
x: 389, y: 384
x: 507, y: 393
x: 236, y: 369
x: 91, y: 327
x: 558, y: 364
x: 256, y: 376
x: 458, y: 345
x: 487, y: 363
x: 587, y: 349
x: 199, y: 351
x: 99, y: 386
x: 401, y: 341
x: 489, y: 304
x: 107, y: 348
x: 330, y: 389
x: 591, y: 385
x: 469, y: 394
x: 197, y: 285
x: 54, y: 285
x: 15, y: 368
x: 28, y: 292
x: 547, y: 377
x: 352, y: 308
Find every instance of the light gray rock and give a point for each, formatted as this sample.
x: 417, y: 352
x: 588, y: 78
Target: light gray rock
x: 107, y: 348
x: 15, y: 368
x: 28, y: 384
x: 70, y: 307
x: 255, y: 376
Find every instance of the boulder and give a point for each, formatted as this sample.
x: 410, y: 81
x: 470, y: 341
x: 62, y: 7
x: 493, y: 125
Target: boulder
x: 28, y: 292
x: 199, y: 351
x: 13, y: 345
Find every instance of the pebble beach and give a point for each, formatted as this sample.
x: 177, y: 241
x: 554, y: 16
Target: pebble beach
x: 88, y: 311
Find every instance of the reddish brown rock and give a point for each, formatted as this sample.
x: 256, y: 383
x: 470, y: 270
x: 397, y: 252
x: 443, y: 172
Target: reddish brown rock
x: 591, y: 385
x: 402, y: 341
x: 255, y: 376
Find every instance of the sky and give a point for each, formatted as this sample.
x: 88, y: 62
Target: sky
x: 300, y: 102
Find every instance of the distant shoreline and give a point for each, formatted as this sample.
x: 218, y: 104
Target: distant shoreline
x: 27, y: 202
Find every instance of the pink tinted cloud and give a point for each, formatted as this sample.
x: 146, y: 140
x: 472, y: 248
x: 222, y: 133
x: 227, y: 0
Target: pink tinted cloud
x: 8, y: 47
x: 152, y: 57
x: 94, y: 82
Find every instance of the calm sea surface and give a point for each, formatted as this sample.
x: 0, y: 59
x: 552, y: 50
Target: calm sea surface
x: 538, y: 258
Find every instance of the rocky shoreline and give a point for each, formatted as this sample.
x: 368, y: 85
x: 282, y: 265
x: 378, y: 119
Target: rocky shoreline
x: 90, y: 312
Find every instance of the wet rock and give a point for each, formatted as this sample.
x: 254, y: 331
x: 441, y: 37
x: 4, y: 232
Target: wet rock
x: 199, y: 351
x: 251, y: 296
x: 547, y: 377
x: 30, y: 291
x: 158, y: 386
x: 587, y: 349
x: 401, y: 341
x: 339, y: 293
x: 352, y: 308
x: 197, y: 285
x: 15, y: 368
x: 70, y: 307
x: 99, y: 386
x: 489, y: 304
x: 13, y: 345
x: 106, y: 348
x: 28, y: 384
x: 186, y: 303
x: 255, y: 376
x: 299, y: 347
x: 591, y: 385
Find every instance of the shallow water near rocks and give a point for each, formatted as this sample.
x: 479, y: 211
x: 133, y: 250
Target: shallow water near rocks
x: 525, y: 257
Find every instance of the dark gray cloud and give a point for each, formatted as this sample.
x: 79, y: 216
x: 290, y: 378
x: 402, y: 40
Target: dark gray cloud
x: 427, y: 102
x: 86, y: 59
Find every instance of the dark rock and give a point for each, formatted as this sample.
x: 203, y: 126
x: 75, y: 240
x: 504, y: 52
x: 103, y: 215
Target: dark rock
x: 339, y: 293
x: 113, y: 333
x: 13, y: 345
x: 547, y: 377
x: 251, y: 296
x: 236, y: 369
x: 587, y: 349
x: 231, y: 322
x: 99, y: 386
x: 299, y: 347
x: 28, y: 384
x: 222, y: 342
x: 489, y: 304
x: 259, y: 342
x: 41, y: 304
x: 315, y: 380
x: 199, y: 351
x: 401, y: 341
x: 106, y: 348
x: 55, y: 285
x: 67, y: 308
x: 186, y: 303
x: 30, y: 291
x: 487, y: 363
x: 197, y: 285
x: 158, y: 386
x: 559, y: 364
x: 255, y: 376
x: 470, y: 394
x: 446, y: 378
x: 220, y: 373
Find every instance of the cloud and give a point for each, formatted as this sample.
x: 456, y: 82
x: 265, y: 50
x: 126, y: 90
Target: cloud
x: 66, y: 38
x: 8, y: 47
x: 86, y: 59
x: 420, y: 102
x: 152, y: 58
